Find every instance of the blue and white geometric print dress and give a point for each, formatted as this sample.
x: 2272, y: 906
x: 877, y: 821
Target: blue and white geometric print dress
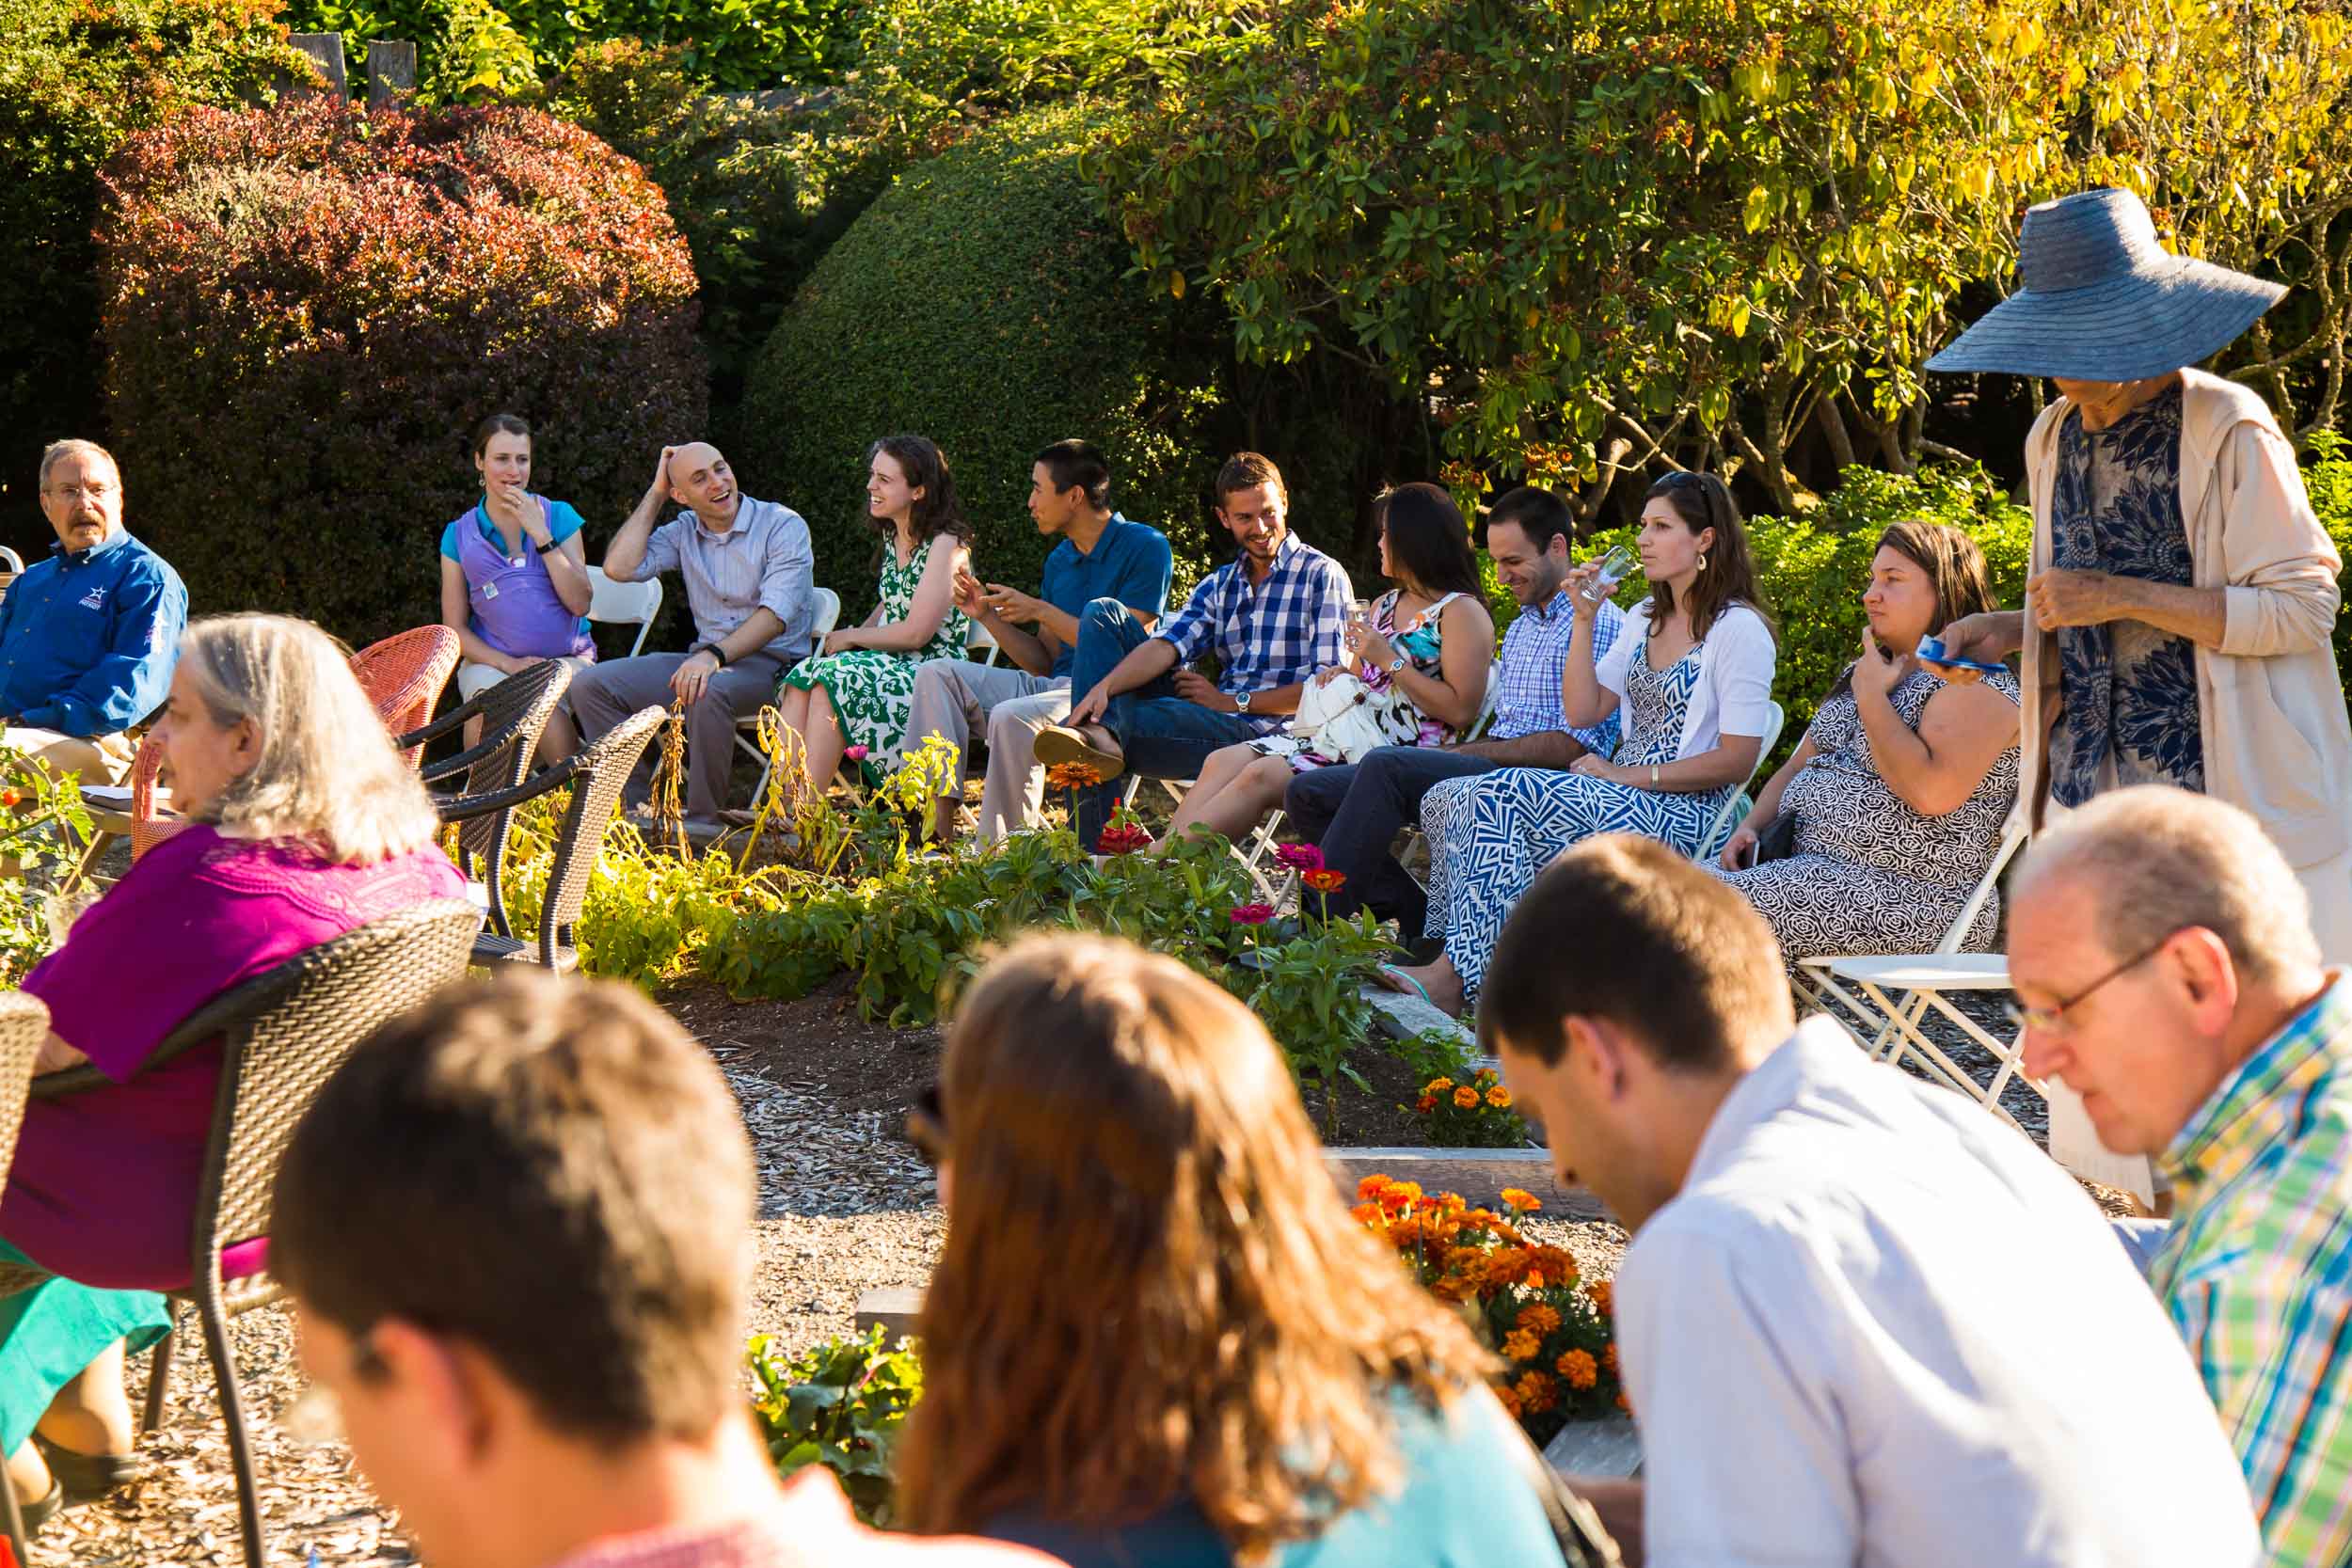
x: 2128, y: 709
x: 1491, y: 834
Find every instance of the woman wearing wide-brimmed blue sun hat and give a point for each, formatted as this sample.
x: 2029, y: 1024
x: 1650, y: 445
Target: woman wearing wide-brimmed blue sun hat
x: 2176, y: 621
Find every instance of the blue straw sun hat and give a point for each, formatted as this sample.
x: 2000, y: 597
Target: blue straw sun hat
x: 2103, y: 301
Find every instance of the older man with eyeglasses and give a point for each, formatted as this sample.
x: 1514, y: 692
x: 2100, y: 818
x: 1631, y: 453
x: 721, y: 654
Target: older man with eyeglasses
x: 2162, y: 948
x: 89, y: 637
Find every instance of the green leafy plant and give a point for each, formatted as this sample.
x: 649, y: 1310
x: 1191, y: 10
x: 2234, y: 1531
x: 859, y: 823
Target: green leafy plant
x: 841, y: 1404
x: 1309, y: 992
x: 43, y: 827
x: 1474, y: 1113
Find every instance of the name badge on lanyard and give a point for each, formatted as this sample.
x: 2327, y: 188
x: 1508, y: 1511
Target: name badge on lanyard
x: 490, y: 590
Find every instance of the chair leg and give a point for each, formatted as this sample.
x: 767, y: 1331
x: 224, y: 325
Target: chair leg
x: 14, y: 1518
x: 233, y: 1418
x: 159, y: 1371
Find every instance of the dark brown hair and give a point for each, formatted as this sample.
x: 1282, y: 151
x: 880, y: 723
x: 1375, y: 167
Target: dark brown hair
x: 1703, y: 501
x: 925, y: 467
x: 1538, y: 513
x: 1246, y: 470
x: 1624, y: 929
x: 498, y: 424
x: 1428, y: 540
x: 1075, y: 464
x: 1150, y: 1287
x: 1954, y: 563
x: 551, y: 1170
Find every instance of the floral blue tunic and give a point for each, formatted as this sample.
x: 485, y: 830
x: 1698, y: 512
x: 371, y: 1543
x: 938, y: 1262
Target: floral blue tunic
x: 2128, y: 707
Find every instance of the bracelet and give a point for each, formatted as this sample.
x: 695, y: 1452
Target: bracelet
x: 1653, y: 775
x: 713, y: 650
x: 551, y: 547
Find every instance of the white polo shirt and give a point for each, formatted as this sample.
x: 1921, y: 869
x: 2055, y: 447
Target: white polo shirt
x: 1878, y: 1327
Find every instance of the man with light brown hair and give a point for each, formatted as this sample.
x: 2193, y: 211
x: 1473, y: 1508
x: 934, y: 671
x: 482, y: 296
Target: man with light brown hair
x: 1860, y: 1320
x: 2163, y: 948
x: 517, y: 1224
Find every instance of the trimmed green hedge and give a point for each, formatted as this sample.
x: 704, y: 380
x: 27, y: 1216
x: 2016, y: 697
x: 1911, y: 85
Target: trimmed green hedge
x: 983, y: 302
x: 308, y: 309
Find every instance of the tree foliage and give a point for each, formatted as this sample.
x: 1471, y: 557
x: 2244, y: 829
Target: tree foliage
x: 1597, y: 236
x: 308, y: 309
x: 76, y: 77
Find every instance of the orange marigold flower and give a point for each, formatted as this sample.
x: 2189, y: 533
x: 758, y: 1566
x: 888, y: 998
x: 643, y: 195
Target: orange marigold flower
x: 1454, y: 1286
x: 1372, y: 1187
x: 1403, y: 1191
x: 1609, y: 1358
x: 1519, y: 1345
x: 1623, y: 1403
x: 1537, y: 1391
x: 1466, y: 1097
x: 1428, y: 1103
x: 1508, y: 1399
x: 1521, y: 1199
x: 1499, y: 1097
x: 1366, y: 1212
x: 1072, y: 775
x: 1437, y: 1085
x: 1485, y: 1076
x: 1602, y: 1295
x: 1579, y: 1368
x: 1505, y: 1266
x: 1539, y: 1319
x: 1559, y: 1267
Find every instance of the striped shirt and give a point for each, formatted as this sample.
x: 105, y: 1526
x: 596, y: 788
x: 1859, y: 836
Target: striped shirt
x: 1534, y: 652
x: 1267, y: 634
x: 2257, y: 1275
x: 765, y: 560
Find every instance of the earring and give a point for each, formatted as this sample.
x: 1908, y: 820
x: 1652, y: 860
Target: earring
x: 1702, y: 562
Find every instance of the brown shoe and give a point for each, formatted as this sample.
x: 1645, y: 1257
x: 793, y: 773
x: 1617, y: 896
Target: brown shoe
x: 1057, y: 744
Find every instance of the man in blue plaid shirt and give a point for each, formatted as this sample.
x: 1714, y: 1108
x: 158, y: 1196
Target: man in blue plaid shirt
x: 1354, y: 812
x: 1272, y: 616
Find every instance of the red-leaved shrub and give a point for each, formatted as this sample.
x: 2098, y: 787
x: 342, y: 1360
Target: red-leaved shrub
x: 308, y: 308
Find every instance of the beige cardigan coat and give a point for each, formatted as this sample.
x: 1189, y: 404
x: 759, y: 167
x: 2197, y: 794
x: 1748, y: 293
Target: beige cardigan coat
x: 2278, y: 741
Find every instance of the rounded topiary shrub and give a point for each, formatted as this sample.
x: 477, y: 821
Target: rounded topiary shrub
x: 983, y: 301
x: 308, y: 309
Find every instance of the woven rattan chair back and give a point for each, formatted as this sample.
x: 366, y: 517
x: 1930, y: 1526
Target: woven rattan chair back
x: 605, y: 767
x: 283, y: 1033
x: 514, y: 713
x: 403, y: 676
x: 24, y: 1024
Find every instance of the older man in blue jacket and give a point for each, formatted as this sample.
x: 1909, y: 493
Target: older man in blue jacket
x: 89, y: 637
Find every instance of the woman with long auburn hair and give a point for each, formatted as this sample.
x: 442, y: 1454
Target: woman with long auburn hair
x: 1155, y: 1336
x: 1689, y: 681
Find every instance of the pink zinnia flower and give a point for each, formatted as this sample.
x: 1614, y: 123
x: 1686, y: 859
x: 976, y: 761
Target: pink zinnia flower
x: 854, y: 754
x: 1300, y: 856
x: 1250, y: 914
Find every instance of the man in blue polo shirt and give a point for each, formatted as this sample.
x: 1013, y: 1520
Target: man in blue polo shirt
x: 1102, y: 558
x: 90, y: 636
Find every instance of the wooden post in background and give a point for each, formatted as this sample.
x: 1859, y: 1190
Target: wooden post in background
x: 391, y: 71
x: 327, y: 51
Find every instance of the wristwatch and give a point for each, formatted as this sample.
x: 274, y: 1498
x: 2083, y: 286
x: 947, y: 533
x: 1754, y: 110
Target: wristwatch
x: 551, y: 547
x: 1241, y: 703
x: 1397, y: 664
x: 714, y: 651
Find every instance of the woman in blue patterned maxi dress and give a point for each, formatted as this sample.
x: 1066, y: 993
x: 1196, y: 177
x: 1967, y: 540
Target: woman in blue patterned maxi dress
x: 1692, y: 670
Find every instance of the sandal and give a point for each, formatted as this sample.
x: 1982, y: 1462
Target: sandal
x: 87, y: 1476
x: 41, y: 1510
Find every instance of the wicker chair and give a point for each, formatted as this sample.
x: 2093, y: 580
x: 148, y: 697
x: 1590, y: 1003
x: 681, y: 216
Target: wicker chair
x: 597, y: 775
x: 282, y: 1033
x: 24, y: 1024
x: 403, y: 676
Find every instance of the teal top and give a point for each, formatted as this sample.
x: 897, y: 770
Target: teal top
x: 1463, y: 1505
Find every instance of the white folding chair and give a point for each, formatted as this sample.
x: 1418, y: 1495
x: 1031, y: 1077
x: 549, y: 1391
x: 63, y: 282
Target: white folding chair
x: 980, y: 648
x: 1734, y: 809
x: 747, y: 727
x: 624, y: 604
x: 1864, y: 986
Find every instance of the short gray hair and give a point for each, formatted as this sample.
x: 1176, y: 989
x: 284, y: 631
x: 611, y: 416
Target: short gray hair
x: 57, y: 452
x: 2159, y: 859
x: 327, y: 776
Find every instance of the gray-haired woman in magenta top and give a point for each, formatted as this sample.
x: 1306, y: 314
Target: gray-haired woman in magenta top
x: 306, y: 825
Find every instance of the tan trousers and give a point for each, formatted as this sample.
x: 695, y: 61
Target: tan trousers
x: 102, y: 760
x: 961, y: 701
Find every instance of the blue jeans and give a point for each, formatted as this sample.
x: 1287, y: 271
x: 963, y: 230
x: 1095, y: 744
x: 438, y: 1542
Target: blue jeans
x: 1354, y: 812
x: 1162, y: 735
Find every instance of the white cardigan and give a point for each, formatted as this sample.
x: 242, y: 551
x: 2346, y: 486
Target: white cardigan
x: 1734, y: 694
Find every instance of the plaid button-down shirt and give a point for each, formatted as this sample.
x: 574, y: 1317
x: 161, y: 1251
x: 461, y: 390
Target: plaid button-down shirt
x: 2257, y: 1275
x: 1534, y: 652
x: 1267, y: 634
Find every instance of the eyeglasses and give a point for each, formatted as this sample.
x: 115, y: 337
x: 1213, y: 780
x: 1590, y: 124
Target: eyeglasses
x: 2052, y: 1018
x: 82, y: 492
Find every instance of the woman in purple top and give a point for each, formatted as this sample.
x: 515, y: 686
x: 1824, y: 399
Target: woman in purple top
x: 515, y: 584
x: 306, y: 824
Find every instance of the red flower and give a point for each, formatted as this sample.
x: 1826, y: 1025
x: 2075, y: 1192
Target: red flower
x: 11, y: 798
x: 1250, y: 914
x: 1324, y: 880
x: 1123, y: 838
x: 1300, y: 856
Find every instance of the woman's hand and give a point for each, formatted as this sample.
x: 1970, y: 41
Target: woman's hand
x: 1578, y: 579
x: 1876, y: 673
x: 1744, y: 841
x: 840, y: 641
x: 1594, y: 766
x: 535, y: 518
x: 1325, y: 677
x: 1371, y: 649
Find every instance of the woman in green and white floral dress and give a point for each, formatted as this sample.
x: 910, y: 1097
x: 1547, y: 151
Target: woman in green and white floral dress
x: 860, y: 688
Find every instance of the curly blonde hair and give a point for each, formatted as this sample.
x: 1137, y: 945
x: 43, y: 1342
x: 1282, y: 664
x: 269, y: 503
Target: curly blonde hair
x: 1150, y: 1286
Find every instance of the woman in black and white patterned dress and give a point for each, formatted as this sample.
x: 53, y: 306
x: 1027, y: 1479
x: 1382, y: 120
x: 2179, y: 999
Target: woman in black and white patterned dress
x: 1903, y: 779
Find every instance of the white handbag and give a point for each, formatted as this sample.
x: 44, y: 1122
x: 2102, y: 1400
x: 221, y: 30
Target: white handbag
x: 1344, y: 719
